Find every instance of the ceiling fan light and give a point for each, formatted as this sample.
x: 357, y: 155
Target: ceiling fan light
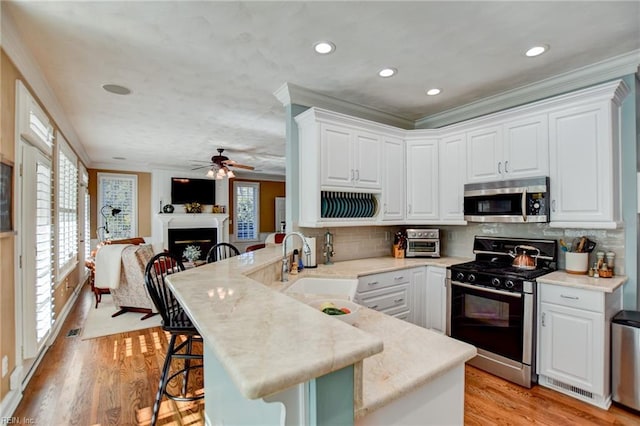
x: 211, y: 173
x: 230, y: 174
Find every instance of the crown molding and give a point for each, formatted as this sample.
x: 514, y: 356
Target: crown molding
x: 27, y: 66
x: 589, y: 75
x: 290, y: 93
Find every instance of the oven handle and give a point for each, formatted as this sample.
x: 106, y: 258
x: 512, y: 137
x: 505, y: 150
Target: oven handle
x: 489, y: 290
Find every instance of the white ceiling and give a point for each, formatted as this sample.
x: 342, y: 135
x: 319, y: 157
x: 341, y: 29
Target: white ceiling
x: 203, y: 74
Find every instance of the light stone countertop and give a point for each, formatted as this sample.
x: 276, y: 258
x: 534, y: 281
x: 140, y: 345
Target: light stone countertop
x: 256, y: 332
x: 606, y: 285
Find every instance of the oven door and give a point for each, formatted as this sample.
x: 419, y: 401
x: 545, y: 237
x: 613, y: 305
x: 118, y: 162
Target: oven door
x: 489, y: 319
x: 423, y: 248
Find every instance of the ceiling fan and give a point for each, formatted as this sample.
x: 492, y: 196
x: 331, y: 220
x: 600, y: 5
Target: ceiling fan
x: 219, y: 166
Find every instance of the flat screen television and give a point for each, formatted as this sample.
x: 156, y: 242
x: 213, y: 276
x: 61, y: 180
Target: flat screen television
x: 189, y: 190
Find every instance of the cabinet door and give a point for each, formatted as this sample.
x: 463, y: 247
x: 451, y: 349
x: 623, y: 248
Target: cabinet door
x: 452, y: 166
x: 484, y: 155
x: 436, y: 314
x: 580, y: 165
x: 422, y: 179
x: 526, y: 148
x: 367, y: 160
x: 337, y: 156
x: 418, y: 296
x: 571, y: 346
x: 393, y: 183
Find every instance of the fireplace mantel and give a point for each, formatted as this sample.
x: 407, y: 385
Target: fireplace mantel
x: 193, y: 220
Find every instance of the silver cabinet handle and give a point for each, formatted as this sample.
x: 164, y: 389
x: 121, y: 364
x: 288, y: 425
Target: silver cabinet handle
x: 569, y: 297
x: 398, y: 278
x: 499, y: 167
x: 543, y: 318
x: 352, y: 175
x: 409, y: 208
x: 385, y: 207
x: 372, y: 283
x: 398, y: 300
x: 553, y: 205
x: 357, y: 175
x: 372, y: 306
x: 506, y: 163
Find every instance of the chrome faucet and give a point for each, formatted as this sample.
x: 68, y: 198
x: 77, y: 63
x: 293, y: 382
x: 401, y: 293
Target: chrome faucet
x: 285, y: 259
x: 328, y: 248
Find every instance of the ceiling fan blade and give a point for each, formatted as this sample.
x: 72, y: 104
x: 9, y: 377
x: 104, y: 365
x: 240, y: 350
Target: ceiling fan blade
x: 232, y: 163
x: 201, y: 167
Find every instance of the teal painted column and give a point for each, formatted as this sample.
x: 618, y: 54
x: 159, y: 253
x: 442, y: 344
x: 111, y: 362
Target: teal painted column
x: 629, y: 129
x: 293, y: 174
x: 331, y: 399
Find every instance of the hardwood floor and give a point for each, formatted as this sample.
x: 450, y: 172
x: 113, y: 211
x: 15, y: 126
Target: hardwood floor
x: 113, y: 380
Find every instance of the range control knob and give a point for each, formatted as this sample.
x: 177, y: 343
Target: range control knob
x: 509, y: 284
x: 471, y: 278
x: 459, y: 276
x: 496, y: 282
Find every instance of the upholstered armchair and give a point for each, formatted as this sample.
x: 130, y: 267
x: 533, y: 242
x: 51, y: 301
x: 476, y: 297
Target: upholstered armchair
x: 131, y: 295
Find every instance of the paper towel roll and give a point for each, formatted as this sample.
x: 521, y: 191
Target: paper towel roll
x: 311, y: 260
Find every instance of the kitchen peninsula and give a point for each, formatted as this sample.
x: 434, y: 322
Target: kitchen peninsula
x: 272, y: 359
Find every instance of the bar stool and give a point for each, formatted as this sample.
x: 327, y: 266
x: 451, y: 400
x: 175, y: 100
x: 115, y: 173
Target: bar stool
x: 177, y: 323
x: 221, y: 251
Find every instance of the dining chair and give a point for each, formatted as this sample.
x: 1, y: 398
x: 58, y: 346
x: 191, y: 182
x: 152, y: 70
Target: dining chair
x: 221, y: 251
x: 177, y: 323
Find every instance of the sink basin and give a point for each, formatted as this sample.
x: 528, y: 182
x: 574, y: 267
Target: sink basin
x: 336, y: 287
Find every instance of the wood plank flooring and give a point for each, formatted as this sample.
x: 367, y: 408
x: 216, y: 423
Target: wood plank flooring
x: 112, y: 380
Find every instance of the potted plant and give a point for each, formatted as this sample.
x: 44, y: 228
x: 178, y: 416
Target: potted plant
x: 191, y: 253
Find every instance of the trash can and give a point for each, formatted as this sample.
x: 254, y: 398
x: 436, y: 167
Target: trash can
x: 625, y: 358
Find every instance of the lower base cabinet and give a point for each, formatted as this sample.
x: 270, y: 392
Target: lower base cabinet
x: 574, y: 341
x: 417, y: 295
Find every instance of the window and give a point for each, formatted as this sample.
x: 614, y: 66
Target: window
x: 246, y: 201
x: 67, y: 208
x: 84, y: 201
x: 120, y: 192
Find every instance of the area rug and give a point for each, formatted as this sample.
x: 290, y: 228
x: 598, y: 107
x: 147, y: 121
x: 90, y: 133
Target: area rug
x: 99, y: 322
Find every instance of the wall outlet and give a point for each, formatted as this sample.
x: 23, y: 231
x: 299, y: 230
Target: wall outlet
x: 5, y: 365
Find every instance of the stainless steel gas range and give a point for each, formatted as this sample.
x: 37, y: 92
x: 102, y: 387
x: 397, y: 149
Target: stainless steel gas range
x: 492, y: 304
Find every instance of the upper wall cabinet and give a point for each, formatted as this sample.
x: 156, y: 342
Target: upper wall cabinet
x: 508, y: 150
x: 422, y: 180
x: 351, y: 157
x: 585, y: 158
x: 393, y: 179
x: 453, y: 150
x: 341, y: 174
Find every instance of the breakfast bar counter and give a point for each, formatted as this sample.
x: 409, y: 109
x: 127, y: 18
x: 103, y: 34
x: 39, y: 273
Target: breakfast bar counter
x: 270, y: 346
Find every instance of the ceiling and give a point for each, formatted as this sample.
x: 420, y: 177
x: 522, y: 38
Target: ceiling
x: 203, y: 74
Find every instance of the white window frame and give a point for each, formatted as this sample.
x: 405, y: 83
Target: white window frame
x: 101, y: 203
x: 33, y: 124
x: 66, y: 204
x: 236, y: 222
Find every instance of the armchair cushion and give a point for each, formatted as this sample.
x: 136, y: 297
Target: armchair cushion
x: 132, y: 291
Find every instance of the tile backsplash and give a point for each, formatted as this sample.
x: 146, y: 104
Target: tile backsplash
x: 375, y: 241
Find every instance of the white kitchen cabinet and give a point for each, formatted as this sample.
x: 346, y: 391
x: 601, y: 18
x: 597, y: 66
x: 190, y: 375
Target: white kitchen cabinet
x: 436, y: 300
x: 422, y: 180
x: 484, y: 154
x: 584, y: 142
x: 393, y: 179
x: 393, y: 293
x: 453, y: 150
x: 350, y: 157
x: 574, y: 341
x: 512, y: 149
x: 418, y: 278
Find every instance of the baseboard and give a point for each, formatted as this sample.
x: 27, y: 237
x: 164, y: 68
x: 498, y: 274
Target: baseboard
x: 9, y: 404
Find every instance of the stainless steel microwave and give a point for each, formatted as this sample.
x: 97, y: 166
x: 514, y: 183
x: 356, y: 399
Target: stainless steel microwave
x: 516, y: 200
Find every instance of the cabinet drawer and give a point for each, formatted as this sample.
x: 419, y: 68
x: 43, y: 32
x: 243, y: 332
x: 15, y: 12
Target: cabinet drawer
x: 389, y: 301
x: 572, y: 297
x: 383, y: 280
x: 404, y: 315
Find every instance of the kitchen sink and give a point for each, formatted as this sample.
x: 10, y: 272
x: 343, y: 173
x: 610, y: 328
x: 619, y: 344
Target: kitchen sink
x: 336, y: 287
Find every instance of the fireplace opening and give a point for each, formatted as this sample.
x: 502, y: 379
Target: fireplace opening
x: 203, y: 238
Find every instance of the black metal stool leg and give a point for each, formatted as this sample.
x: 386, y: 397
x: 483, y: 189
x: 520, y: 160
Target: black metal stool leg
x: 163, y: 379
x: 187, y: 363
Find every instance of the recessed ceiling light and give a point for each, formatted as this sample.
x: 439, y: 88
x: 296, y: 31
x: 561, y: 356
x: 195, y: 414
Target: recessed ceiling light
x: 324, y: 47
x: 537, y: 50
x: 119, y: 158
x: 387, y: 72
x: 433, y: 92
x: 116, y: 89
